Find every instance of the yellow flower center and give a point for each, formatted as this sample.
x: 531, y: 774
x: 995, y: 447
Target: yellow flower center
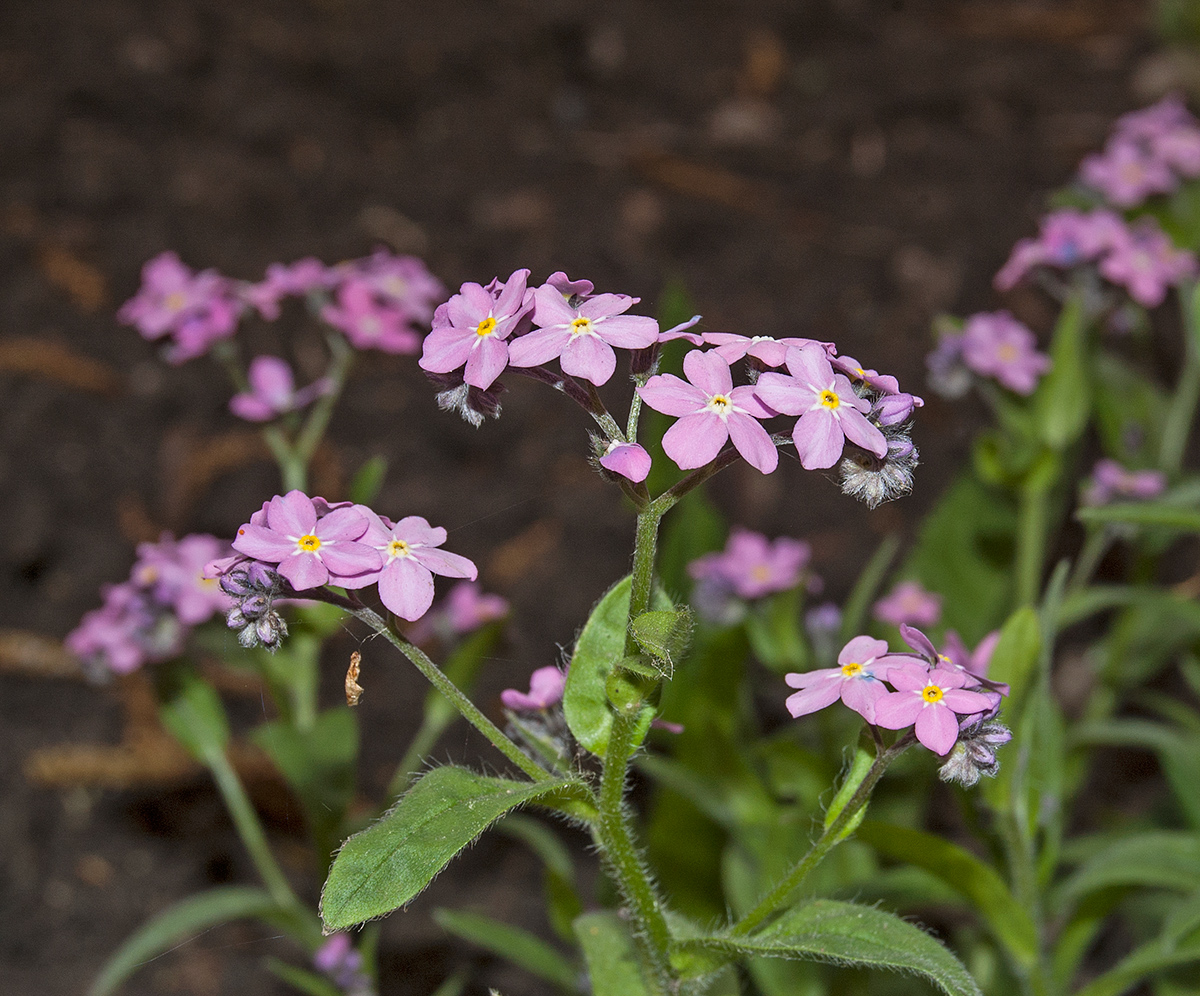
x: 720, y: 404
x: 1007, y: 352
x: 932, y: 694
x: 830, y: 399
x: 309, y: 543
x: 943, y: 657
x: 175, y: 301
x: 486, y: 327
x: 760, y: 572
x: 851, y: 669
x: 581, y: 326
x: 397, y: 548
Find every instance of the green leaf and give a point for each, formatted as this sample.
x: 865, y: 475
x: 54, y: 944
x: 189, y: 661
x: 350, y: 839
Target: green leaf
x: 1128, y: 411
x: 977, y: 523
x: 775, y: 627
x: 1172, y: 948
x: 852, y: 935
x: 194, y: 714
x: 860, y: 767
x: 319, y: 766
x: 867, y: 585
x: 664, y: 634
x: 513, y: 944
x: 1063, y: 398
x: 1016, y: 652
x: 967, y: 875
x: 368, y: 480
x: 1164, y: 859
x: 612, y: 960
x: 600, y: 646
x: 307, y: 982
x: 1144, y: 513
x: 182, y: 921
x: 389, y: 863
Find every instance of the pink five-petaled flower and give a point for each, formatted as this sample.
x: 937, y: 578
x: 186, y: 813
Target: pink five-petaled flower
x: 1145, y: 262
x: 857, y: 681
x: 627, y: 459
x: 581, y: 337
x: 546, y: 686
x: 1110, y: 480
x: 310, y: 551
x: 996, y: 345
x: 477, y: 321
x: 909, y: 603
x: 710, y: 411
x: 273, y: 391
x: 752, y: 565
x: 933, y: 700
x: 830, y: 412
x: 410, y: 559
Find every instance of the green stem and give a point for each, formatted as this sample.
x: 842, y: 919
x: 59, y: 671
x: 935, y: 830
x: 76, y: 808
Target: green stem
x: 250, y: 830
x: 829, y: 839
x: 1095, y: 546
x: 615, y: 839
x: 1032, y: 520
x: 642, y: 583
x: 341, y: 357
x: 1181, y: 413
x: 452, y: 692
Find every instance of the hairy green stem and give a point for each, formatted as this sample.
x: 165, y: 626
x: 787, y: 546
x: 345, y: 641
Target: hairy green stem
x: 828, y: 840
x: 455, y: 695
x: 615, y: 839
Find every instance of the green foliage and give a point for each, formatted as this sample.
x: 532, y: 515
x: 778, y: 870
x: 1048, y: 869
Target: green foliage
x: 1063, y: 399
x: 389, y: 863
x: 600, y: 647
x: 368, y: 480
x: 182, y: 921
x: 513, y: 944
x: 967, y: 875
x: 849, y: 934
x: 614, y: 968
x: 193, y: 713
x: 664, y: 634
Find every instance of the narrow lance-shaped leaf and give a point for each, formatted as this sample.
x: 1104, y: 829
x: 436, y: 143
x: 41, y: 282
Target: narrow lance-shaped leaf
x: 849, y: 934
x: 513, y: 944
x: 185, y: 919
x: 967, y: 875
x: 390, y: 862
x: 612, y: 960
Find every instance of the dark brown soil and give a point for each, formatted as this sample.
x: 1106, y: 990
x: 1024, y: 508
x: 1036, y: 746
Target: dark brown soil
x: 841, y: 169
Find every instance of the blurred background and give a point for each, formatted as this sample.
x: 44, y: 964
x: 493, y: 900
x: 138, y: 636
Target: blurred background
x: 837, y: 169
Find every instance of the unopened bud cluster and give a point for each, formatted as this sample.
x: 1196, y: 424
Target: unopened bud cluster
x: 255, y: 588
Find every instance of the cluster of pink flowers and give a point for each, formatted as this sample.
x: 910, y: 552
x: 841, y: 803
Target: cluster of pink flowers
x: 377, y: 302
x: 1111, y: 481
x: 311, y: 542
x: 147, y: 618
x: 482, y: 330
x: 1138, y: 257
x: 991, y: 344
x: 273, y: 391
x: 1149, y: 152
x: 938, y: 694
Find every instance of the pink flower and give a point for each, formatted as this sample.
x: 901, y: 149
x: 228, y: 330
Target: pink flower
x: 1127, y: 173
x: 1068, y: 238
x: 310, y: 551
x: 753, y: 566
x: 933, y: 700
x: 287, y: 280
x: 974, y: 663
x: 769, y: 351
x: 382, y: 300
x: 193, y: 309
x: 909, y: 603
x: 883, y: 383
x: 857, y: 681
x: 711, y: 411
x: 581, y: 336
x: 830, y: 412
x: 997, y: 345
x: 546, y: 686
x: 627, y: 459
x: 1145, y: 262
x: 173, y: 570
x: 471, y: 328
x: 410, y: 555
x: 462, y: 611
x: 1110, y: 480
x: 273, y: 391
